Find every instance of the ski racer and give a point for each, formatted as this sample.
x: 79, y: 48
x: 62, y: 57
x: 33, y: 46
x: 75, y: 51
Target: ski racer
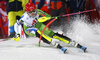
x: 33, y: 27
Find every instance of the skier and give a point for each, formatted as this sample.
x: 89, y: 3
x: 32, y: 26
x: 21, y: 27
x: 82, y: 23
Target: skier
x: 33, y: 27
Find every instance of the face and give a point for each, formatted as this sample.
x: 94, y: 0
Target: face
x: 32, y: 13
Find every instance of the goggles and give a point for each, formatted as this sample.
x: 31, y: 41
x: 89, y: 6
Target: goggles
x: 33, y: 11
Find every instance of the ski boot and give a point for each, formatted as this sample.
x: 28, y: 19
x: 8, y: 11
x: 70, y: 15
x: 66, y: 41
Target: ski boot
x: 83, y: 48
x: 12, y: 34
x: 55, y: 44
x: 77, y: 45
x: 63, y: 50
x: 11, y: 31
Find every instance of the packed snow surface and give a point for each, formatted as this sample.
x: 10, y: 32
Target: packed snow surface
x: 27, y: 49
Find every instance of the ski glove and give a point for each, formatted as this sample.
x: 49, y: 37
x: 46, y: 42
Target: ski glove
x: 16, y: 37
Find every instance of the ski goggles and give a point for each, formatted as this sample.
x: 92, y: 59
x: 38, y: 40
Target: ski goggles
x: 33, y: 11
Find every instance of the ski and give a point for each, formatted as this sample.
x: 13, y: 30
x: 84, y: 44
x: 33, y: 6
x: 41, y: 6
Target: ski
x: 5, y: 39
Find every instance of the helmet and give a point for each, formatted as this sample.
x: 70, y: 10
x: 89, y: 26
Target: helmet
x: 29, y: 7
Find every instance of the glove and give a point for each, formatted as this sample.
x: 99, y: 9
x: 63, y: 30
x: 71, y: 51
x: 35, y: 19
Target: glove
x: 16, y: 37
x: 43, y: 19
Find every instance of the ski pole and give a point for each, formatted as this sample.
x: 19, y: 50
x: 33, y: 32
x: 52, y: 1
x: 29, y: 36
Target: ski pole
x: 5, y: 40
x: 79, y: 12
x: 45, y: 28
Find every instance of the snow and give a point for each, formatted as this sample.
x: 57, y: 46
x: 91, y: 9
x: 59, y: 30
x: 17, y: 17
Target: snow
x: 27, y: 49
